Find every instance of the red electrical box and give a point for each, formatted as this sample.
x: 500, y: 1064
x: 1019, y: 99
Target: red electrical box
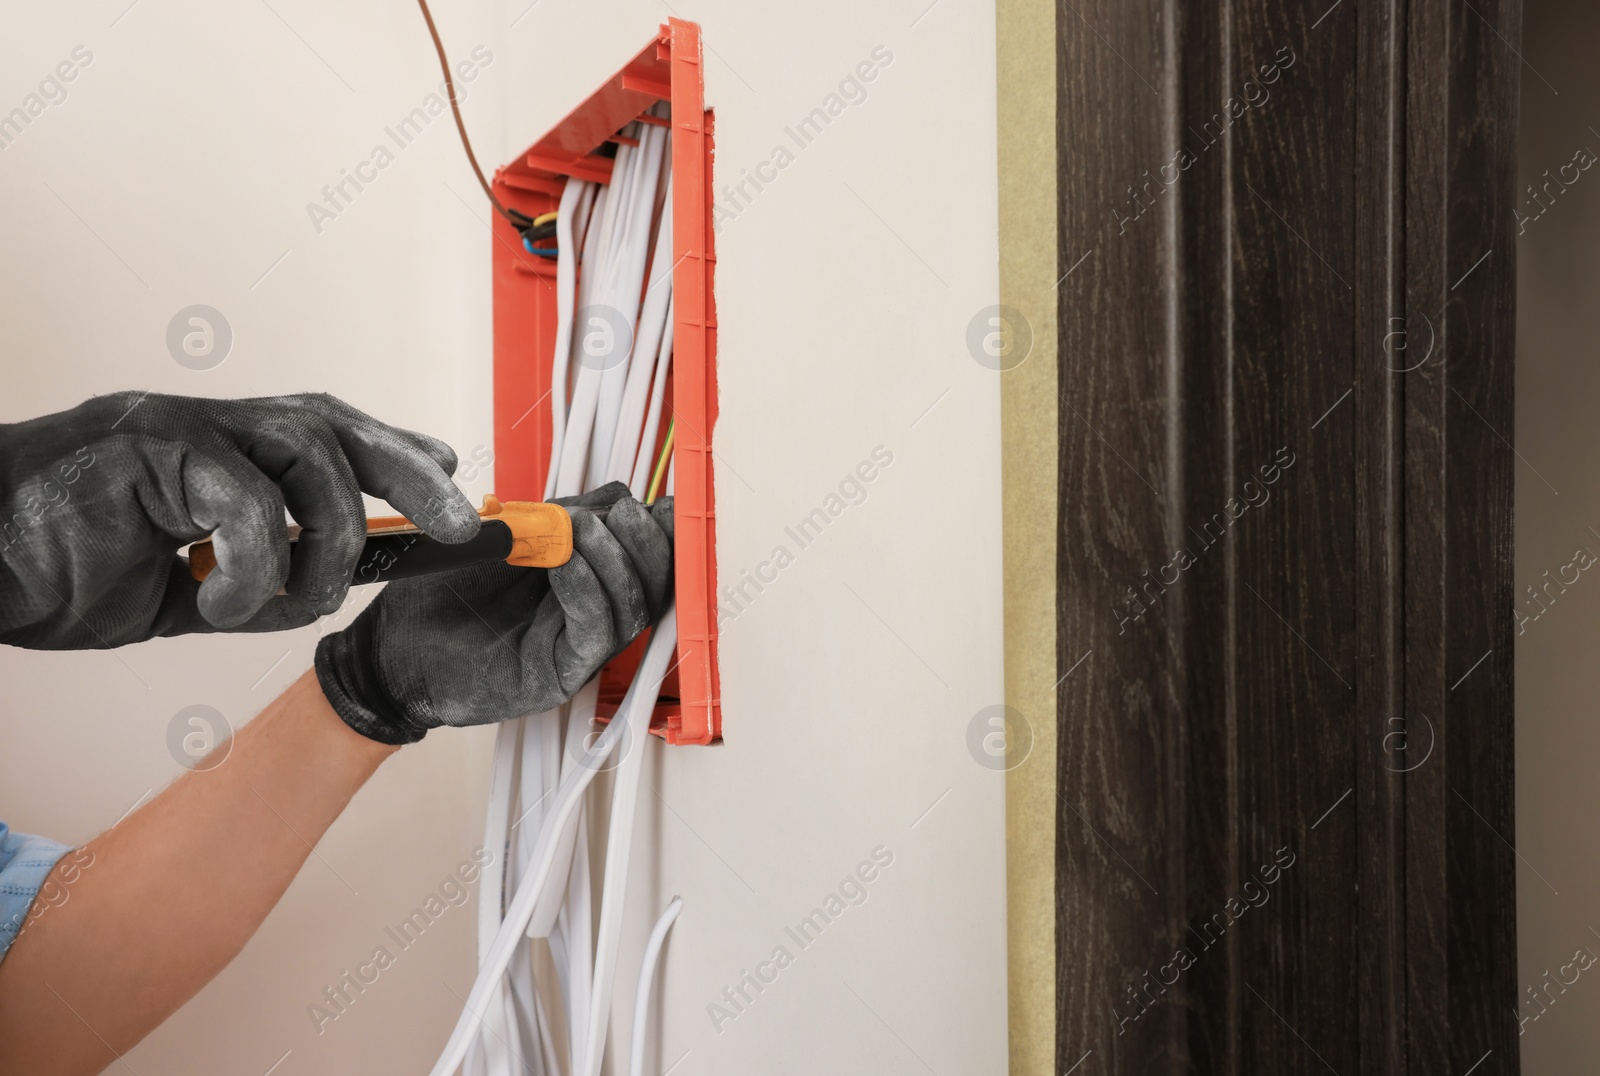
x: 669, y: 69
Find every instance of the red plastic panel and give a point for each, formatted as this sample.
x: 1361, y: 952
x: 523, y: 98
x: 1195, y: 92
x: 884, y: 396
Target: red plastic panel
x: 695, y: 390
x: 669, y: 68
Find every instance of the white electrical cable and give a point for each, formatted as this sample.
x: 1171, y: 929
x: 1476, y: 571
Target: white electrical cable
x: 596, y: 330
x: 504, y: 1031
x: 568, y: 885
x: 525, y: 1011
x: 591, y: 252
x: 541, y: 773
x: 608, y: 325
x: 568, y: 235
x: 491, y: 888
x: 491, y: 893
x: 537, y: 822
x: 542, y: 751
x: 644, y: 465
x: 639, y: 700
x: 629, y: 280
x: 577, y: 917
x: 619, y: 848
x: 626, y: 416
x: 585, y: 241
x: 558, y: 956
x: 621, y: 273
x: 540, y: 738
x: 647, y: 974
x: 578, y: 725
x: 654, y: 325
x: 573, y: 214
x: 544, y: 1032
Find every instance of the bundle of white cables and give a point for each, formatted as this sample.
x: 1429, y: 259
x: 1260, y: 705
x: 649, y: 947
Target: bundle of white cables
x: 612, y: 356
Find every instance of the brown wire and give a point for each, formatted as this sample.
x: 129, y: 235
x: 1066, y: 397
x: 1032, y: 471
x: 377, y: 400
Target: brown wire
x: 466, y: 143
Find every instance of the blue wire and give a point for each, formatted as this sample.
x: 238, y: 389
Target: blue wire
x: 543, y: 252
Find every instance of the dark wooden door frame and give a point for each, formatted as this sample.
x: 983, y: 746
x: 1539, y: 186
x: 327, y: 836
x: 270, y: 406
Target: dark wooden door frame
x: 1286, y: 356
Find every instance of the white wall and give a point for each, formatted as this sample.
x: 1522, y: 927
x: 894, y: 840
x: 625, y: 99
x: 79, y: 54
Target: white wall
x: 187, y: 151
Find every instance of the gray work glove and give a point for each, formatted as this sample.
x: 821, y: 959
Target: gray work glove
x: 492, y: 642
x: 96, y: 502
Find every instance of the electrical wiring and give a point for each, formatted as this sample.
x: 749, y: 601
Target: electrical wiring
x: 652, y: 425
x: 614, y: 444
x: 494, y: 833
x: 628, y: 283
x: 634, y: 711
x: 611, y: 314
x: 540, y: 774
x: 543, y: 920
x: 666, y: 454
x: 489, y: 892
x: 578, y: 201
x: 576, y: 915
x: 619, y: 847
x: 567, y: 463
x: 624, y: 286
x: 540, y: 233
x: 536, y: 916
x: 543, y: 1030
x: 519, y: 220
x: 647, y: 974
x: 655, y: 327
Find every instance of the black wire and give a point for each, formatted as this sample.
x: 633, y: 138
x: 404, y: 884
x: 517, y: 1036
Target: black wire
x: 535, y: 232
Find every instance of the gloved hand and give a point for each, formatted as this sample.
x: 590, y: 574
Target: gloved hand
x: 492, y: 642
x: 96, y: 502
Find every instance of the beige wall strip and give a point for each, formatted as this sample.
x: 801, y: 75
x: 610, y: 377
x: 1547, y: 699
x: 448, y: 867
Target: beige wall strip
x: 1028, y: 271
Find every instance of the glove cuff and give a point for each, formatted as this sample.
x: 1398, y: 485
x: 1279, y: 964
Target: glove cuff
x: 355, y: 694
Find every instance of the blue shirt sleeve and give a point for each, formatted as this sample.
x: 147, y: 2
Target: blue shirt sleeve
x: 25, y: 862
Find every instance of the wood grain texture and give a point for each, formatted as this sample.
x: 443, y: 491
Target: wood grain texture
x: 1286, y: 489
x: 1120, y: 829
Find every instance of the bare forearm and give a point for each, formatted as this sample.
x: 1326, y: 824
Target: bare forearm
x: 138, y: 934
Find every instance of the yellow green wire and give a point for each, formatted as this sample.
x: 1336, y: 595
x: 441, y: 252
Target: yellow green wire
x: 661, y: 464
